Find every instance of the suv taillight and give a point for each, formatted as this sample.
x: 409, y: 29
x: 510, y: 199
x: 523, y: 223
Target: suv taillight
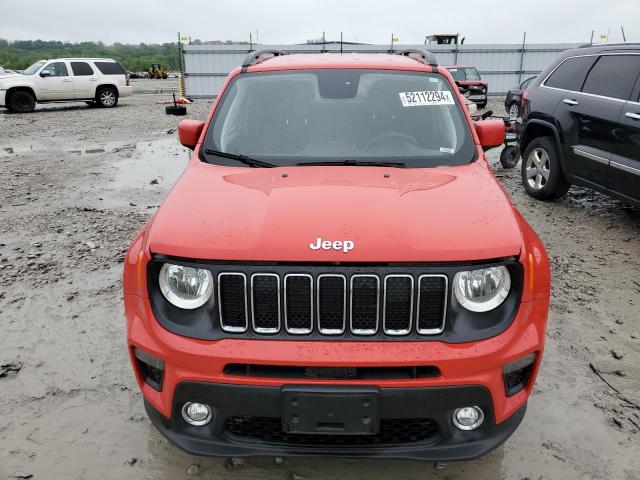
x: 523, y: 99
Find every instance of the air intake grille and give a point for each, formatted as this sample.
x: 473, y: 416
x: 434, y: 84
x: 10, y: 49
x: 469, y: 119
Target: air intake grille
x: 332, y: 291
x: 393, y: 431
x: 265, y: 302
x: 398, y: 304
x: 431, y: 303
x: 298, y: 298
x: 359, y: 304
x: 365, y: 291
x: 232, y: 295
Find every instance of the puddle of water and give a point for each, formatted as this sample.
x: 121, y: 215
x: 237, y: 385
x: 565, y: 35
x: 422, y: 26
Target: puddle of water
x: 156, y: 164
x: 77, y: 148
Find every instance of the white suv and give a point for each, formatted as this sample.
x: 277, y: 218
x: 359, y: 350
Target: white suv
x: 97, y: 81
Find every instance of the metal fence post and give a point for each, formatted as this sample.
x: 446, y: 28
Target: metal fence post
x: 520, y: 72
x: 181, y: 90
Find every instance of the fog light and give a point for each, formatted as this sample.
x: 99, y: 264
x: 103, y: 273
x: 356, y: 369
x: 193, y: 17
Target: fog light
x: 468, y: 418
x: 197, y: 414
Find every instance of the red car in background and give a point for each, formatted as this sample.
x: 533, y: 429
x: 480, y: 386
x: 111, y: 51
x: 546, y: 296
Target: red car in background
x: 470, y: 84
x: 337, y: 271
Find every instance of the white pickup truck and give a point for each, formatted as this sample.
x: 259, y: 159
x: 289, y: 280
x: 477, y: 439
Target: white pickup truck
x: 96, y: 81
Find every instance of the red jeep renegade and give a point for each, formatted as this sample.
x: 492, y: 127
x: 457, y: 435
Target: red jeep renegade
x: 337, y: 271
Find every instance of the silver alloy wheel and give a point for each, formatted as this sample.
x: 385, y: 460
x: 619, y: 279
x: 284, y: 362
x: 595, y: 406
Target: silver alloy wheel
x: 538, y: 168
x: 107, y: 98
x: 513, y: 110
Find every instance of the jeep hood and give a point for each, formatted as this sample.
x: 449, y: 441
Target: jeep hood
x: 274, y: 214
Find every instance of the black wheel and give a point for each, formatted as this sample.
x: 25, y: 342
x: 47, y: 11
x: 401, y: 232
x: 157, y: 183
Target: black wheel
x: 510, y: 156
x: 107, y: 97
x: 22, y: 102
x: 541, y: 171
x: 514, y: 110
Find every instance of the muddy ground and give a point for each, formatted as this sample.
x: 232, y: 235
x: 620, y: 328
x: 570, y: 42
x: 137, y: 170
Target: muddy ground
x: 77, y: 183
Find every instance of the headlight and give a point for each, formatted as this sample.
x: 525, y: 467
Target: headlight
x: 185, y: 287
x: 482, y: 290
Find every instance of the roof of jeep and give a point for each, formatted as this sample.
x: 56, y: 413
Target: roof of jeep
x: 375, y: 61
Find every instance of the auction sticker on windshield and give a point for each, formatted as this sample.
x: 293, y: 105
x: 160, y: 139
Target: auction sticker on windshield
x: 424, y: 98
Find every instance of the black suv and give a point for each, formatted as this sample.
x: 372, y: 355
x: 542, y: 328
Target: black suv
x: 582, y: 124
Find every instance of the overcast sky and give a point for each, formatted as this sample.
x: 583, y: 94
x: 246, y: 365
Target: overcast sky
x: 295, y: 21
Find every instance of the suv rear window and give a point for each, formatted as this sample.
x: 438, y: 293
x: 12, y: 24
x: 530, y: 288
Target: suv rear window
x: 337, y: 115
x: 613, y: 76
x: 81, y: 69
x: 570, y: 74
x: 110, y: 68
x: 464, y: 74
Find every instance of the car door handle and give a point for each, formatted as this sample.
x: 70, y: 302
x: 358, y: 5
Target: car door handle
x: 66, y: 80
x: 570, y: 101
x: 93, y: 79
x: 633, y: 116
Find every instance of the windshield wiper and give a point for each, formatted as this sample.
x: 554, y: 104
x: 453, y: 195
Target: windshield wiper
x: 252, y: 162
x: 354, y: 162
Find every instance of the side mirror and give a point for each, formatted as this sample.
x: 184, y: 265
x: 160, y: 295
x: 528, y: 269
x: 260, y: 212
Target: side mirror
x: 189, y: 132
x: 45, y: 73
x: 490, y: 133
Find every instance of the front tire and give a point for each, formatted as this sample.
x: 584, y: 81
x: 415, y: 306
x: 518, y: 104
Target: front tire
x: 541, y: 171
x: 107, y: 97
x: 22, y: 102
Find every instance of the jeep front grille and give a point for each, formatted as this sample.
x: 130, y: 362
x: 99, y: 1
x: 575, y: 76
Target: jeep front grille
x: 361, y: 304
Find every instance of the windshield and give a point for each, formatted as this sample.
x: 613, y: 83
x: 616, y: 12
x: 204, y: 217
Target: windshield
x: 338, y: 115
x: 464, y: 74
x: 33, y: 68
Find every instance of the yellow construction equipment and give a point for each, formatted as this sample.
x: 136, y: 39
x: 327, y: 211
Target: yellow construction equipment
x: 157, y: 71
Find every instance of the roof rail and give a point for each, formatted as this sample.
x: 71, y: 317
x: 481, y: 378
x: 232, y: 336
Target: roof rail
x: 255, y: 57
x: 423, y: 56
x: 618, y: 44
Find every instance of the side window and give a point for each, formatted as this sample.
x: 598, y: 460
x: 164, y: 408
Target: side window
x: 571, y: 73
x: 81, y: 69
x: 613, y: 76
x: 110, y: 68
x: 57, y: 69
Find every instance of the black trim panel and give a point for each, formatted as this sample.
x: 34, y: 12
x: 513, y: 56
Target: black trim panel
x: 437, y: 403
x: 461, y: 325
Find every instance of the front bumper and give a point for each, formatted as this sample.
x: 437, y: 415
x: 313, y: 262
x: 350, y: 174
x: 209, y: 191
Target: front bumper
x: 478, y: 98
x: 471, y: 373
x: 401, y: 406
x: 125, y: 91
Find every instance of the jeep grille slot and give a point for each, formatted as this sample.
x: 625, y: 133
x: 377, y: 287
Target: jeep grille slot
x: 364, y: 304
x: 398, y: 304
x: 265, y: 302
x: 432, y: 304
x: 232, y: 302
x: 298, y: 303
x: 332, y: 292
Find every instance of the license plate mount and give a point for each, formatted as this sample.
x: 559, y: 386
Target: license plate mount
x: 322, y: 411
